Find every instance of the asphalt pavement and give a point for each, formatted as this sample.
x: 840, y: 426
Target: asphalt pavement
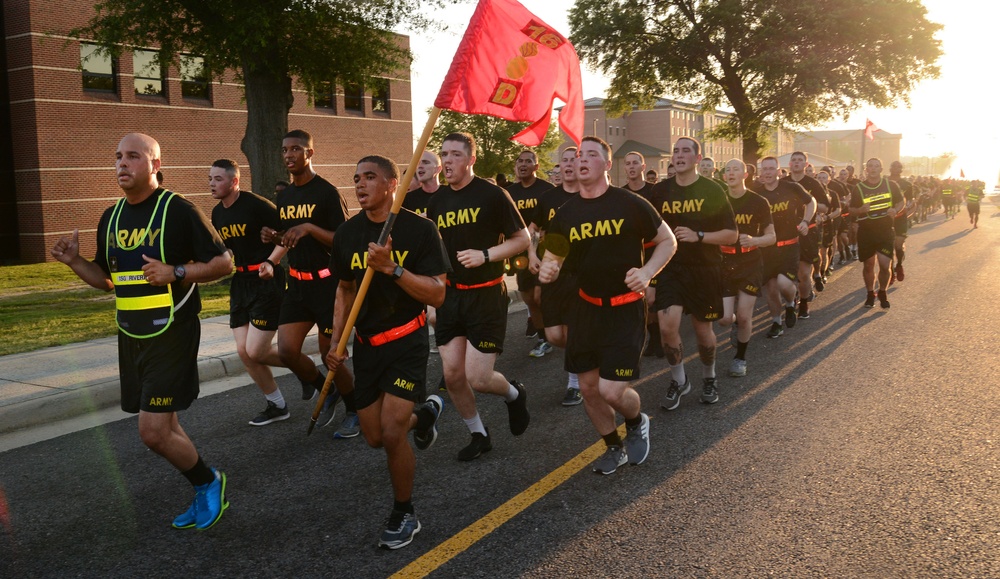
x: 862, y: 443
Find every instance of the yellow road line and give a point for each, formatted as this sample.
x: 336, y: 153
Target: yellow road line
x: 470, y: 535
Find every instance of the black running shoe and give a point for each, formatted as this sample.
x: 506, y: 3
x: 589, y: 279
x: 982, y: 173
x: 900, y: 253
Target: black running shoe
x: 870, y: 300
x: 818, y: 282
x: 480, y: 444
x: 790, y: 316
x: 517, y: 410
x: 883, y: 300
x: 776, y: 331
x: 270, y: 414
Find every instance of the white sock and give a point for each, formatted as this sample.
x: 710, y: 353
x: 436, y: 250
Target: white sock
x: 511, y: 393
x: 710, y: 371
x: 677, y: 372
x: 276, y: 397
x: 573, y: 381
x: 475, y: 424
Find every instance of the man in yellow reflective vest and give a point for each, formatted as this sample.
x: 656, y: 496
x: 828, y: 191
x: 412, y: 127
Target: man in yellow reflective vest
x: 153, y: 247
x: 876, y: 201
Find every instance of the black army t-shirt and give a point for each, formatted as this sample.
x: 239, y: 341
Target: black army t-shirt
x: 418, y: 200
x: 317, y: 202
x: 602, y: 239
x: 788, y: 202
x: 753, y: 214
x: 239, y: 226
x: 526, y: 199
x: 700, y: 206
x: 188, y: 237
x: 477, y: 216
x: 416, y: 245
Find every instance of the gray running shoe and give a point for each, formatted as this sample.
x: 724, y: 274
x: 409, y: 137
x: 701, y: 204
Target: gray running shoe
x: 572, y: 397
x: 329, y: 410
x: 270, y: 414
x: 709, y: 391
x: 738, y: 367
x: 350, y: 427
x: 399, y: 530
x: 776, y: 331
x: 637, y: 441
x: 540, y: 349
x: 673, y: 398
x: 609, y: 462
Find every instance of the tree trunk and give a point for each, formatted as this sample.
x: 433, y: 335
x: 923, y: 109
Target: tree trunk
x: 751, y: 149
x: 269, y: 98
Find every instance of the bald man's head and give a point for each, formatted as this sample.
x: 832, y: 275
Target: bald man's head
x: 136, y: 164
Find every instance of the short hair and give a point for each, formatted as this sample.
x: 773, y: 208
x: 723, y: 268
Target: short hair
x: 653, y: 171
x: 231, y: 167
x: 300, y: 135
x: 800, y: 153
x: 534, y: 156
x: 604, y: 145
x: 874, y: 159
x: 568, y: 150
x: 637, y: 154
x: 465, y: 138
x: 697, y: 145
x: 437, y: 158
x: 740, y: 161
x: 708, y: 159
x: 770, y: 158
x: 388, y: 168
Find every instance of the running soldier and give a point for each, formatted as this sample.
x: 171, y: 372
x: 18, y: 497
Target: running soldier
x: 426, y: 184
x: 901, y: 222
x: 742, y: 264
x: 876, y: 201
x: 525, y: 193
x: 153, y: 248
x: 792, y: 209
x: 254, y: 302
x: 972, y: 199
x: 698, y: 212
x: 391, y: 336
x: 635, y: 164
x: 809, y: 245
x: 311, y: 209
x: 473, y: 216
x: 598, y: 236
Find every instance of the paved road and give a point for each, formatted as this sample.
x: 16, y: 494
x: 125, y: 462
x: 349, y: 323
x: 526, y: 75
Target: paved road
x: 863, y: 443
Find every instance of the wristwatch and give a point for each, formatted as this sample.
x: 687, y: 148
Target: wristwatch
x: 701, y: 236
x: 398, y: 272
x: 179, y: 272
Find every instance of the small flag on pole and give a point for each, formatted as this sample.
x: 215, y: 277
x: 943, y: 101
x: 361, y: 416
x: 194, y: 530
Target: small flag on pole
x: 510, y: 64
x: 961, y: 173
x: 870, y: 129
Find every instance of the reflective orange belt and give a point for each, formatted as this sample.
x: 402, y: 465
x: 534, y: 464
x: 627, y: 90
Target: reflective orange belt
x: 395, y: 333
x: 462, y: 286
x: 649, y: 244
x: 791, y: 241
x: 309, y: 275
x: 613, y: 301
x: 244, y: 268
x: 731, y: 249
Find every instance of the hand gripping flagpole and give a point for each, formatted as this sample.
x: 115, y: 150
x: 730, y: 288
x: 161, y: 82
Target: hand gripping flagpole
x: 383, y: 238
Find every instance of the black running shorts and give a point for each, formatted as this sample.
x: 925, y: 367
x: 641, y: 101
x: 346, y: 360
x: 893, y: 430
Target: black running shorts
x: 310, y: 301
x: 809, y: 246
x: 398, y: 368
x: 973, y: 208
x: 743, y: 273
x: 698, y: 288
x: 872, y: 242
x: 526, y: 281
x: 160, y: 374
x: 558, y: 300
x: 781, y: 261
x: 479, y: 315
x: 609, y: 339
x: 256, y: 301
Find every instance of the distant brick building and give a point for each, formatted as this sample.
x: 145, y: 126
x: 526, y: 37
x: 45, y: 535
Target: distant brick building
x: 63, y: 111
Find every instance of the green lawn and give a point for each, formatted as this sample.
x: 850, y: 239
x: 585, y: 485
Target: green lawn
x: 47, y: 305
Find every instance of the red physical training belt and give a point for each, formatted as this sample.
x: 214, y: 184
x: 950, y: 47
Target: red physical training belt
x: 462, y: 286
x: 309, y: 275
x: 395, y: 333
x: 791, y: 241
x: 649, y: 244
x: 731, y: 249
x: 613, y: 301
x: 245, y: 268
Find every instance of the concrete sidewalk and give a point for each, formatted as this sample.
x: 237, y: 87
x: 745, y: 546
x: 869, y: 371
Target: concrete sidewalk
x: 53, y: 384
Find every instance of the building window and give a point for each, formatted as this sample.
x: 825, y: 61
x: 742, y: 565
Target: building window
x: 194, y: 77
x: 354, y: 97
x: 380, y: 95
x: 148, y: 76
x: 323, y: 96
x: 98, y: 69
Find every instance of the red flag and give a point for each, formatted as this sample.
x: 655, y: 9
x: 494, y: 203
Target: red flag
x: 512, y: 65
x: 961, y: 173
x: 870, y: 129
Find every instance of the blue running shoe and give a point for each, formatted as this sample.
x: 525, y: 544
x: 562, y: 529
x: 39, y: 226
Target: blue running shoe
x: 188, y: 518
x: 399, y: 530
x: 350, y: 427
x: 210, y: 501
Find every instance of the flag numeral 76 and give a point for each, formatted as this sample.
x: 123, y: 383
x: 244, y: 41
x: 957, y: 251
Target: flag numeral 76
x: 543, y: 35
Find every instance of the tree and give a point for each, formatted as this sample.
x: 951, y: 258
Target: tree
x: 267, y: 43
x: 495, y: 153
x: 774, y: 62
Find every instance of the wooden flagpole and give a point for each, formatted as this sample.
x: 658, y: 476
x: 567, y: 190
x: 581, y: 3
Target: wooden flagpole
x: 383, y: 238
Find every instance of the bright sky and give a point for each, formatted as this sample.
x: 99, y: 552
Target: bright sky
x: 954, y: 113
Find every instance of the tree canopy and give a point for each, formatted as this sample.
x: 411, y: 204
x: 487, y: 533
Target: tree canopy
x: 496, y: 153
x: 267, y: 43
x: 774, y: 62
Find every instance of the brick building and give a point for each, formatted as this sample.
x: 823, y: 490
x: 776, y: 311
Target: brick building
x: 63, y: 111
x: 654, y: 131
